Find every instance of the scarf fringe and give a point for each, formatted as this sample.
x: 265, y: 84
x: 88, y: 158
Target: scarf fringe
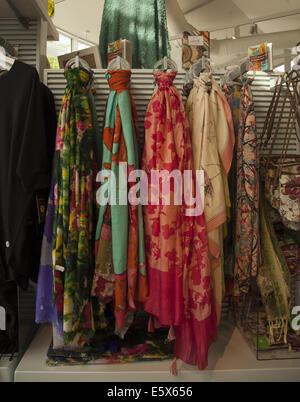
x: 173, y: 368
x: 282, y: 325
x: 150, y: 325
x: 171, y: 335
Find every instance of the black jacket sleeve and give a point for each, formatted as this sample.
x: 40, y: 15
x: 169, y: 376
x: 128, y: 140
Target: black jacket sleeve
x: 33, y: 165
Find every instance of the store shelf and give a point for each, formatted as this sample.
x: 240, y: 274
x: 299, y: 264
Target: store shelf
x: 230, y: 359
x: 7, y: 368
x: 31, y: 9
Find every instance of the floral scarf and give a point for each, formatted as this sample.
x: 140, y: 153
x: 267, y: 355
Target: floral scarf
x: 247, y: 251
x: 120, y: 272
x: 178, y: 267
x: 72, y: 242
x: 213, y: 143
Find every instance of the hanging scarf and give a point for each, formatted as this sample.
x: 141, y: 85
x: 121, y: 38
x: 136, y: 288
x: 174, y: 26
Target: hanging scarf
x: 143, y: 23
x: 247, y: 203
x: 213, y: 143
x: 273, y: 278
x: 120, y: 254
x: 180, y: 288
x: 232, y: 91
x: 73, y: 257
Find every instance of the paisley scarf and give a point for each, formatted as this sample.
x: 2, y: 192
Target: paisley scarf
x: 72, y: 242
x: 120, y: 272
x: 213, y: 144
x: 178, y: 267
x: 247, y: 251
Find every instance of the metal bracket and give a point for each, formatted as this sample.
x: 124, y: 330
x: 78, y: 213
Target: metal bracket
x: 24, y: 21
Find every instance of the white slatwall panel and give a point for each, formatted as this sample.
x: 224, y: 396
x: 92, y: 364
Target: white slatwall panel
x: 26, y: 41
x: 142, y: 86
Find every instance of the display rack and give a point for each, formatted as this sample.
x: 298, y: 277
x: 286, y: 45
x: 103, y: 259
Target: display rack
x: 142, y: 87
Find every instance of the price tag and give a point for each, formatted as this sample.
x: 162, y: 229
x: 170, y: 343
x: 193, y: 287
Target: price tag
x: 195, y: 40
x: 2, y: 319
x: 59, y: 268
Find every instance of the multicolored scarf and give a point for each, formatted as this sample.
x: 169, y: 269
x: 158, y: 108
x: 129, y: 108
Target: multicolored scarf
x: 72, y: 243
x: 178, y: 267
x: 120, y: 272
x: 247, y: 249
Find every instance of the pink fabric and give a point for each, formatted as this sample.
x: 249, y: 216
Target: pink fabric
x: 178, y: 267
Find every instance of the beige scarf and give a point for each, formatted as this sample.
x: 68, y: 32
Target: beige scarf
x: 212, y: 143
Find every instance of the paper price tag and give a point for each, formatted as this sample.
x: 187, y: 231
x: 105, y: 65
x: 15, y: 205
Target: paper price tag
x: 195, y: 40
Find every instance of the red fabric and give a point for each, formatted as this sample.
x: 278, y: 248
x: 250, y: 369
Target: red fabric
x: 178, y: 267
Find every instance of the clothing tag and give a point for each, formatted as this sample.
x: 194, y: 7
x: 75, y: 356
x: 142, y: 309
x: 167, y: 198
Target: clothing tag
x: 59, y: 268
x: 2, y: 319
x: 195, y: 40
x: 41, y: 203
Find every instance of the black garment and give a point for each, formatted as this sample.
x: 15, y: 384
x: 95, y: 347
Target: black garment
x: 9, y: 302
x: 27, y: 141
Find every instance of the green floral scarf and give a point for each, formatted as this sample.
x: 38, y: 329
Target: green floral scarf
x: 73, y: 231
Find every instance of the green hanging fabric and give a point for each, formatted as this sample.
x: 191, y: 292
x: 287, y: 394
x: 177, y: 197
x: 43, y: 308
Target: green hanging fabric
x: 143, y: 23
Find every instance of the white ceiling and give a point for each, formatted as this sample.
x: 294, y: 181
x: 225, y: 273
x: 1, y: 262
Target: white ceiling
x: 219, y: 14
x: 78, y: 16
x: 83, y: 18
